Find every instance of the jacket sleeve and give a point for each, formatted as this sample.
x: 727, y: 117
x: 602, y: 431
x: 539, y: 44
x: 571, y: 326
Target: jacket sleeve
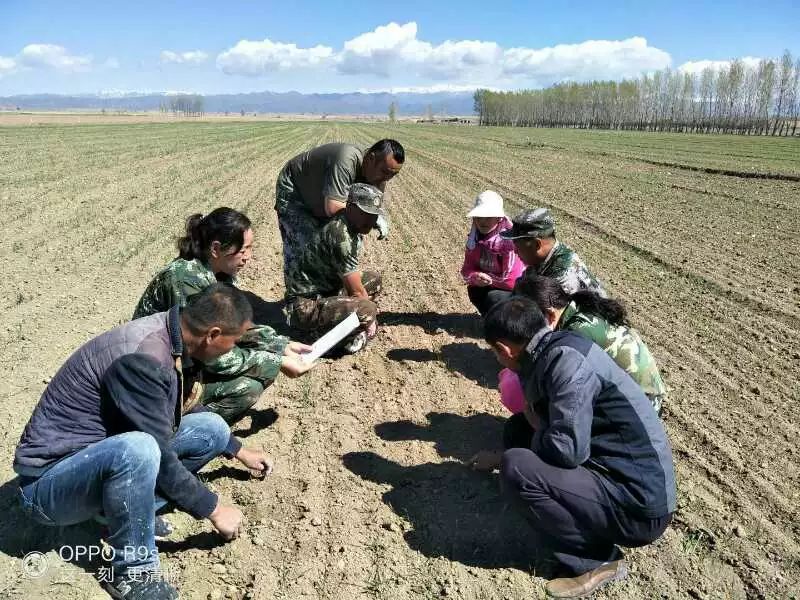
x: 470, y: 266
x: 570, y: 388
x: 264, y: 337
x: 258, y: 364
x: 139, y: 388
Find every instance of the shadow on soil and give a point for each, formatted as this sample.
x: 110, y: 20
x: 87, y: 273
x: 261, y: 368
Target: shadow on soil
x: 268, y: 312
x: 454, y: 513
x: 456, y: 324
x: 454, y: 436
x: 468, y: 358
x: 259, y: 419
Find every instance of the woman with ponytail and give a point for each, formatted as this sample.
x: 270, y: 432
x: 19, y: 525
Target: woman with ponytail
x: 214, y: 249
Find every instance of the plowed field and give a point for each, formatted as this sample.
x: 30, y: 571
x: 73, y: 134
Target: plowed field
x: 699, y: 235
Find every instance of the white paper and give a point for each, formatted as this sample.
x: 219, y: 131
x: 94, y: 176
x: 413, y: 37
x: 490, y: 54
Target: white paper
x: 333, y: 337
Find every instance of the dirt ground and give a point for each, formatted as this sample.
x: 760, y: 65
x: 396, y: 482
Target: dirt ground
x: 369, y: 498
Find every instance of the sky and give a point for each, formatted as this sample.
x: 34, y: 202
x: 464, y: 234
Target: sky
x: 84, y: 47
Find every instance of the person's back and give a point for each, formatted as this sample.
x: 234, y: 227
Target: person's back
x: 627, y: 444
x: 323, y: 172
x: 174, y: 285
x: 622, y: 343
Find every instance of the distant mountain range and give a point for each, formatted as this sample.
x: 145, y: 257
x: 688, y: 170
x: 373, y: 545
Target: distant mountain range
x: 356, y: 103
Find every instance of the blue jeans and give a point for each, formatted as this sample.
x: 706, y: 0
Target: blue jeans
x: 117, y: 477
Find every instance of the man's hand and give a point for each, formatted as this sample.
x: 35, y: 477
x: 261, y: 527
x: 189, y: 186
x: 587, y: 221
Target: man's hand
x: 479, y: 280
x: 382, y: 225
x: 485, y: 460
x: 226, y: 520
x: 294, y: 366
x: 257, y: 461
x: 296, y: 349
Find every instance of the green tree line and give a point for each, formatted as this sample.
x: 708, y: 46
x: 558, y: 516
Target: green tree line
x: 762, y: 99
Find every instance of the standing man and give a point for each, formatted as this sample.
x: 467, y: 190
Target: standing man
x: 312, y: 187
x: 324, y: 282
x: 534, y: 235
x: 593, y: 468
x: 117, y: 433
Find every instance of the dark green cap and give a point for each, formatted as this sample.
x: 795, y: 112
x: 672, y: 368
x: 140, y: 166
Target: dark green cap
x: 536, y: 223
x: 366, y: 197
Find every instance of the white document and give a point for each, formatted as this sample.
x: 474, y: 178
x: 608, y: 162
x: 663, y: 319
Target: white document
x: 333, y: 337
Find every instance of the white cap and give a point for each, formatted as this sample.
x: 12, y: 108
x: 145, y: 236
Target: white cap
x: 488, y: 204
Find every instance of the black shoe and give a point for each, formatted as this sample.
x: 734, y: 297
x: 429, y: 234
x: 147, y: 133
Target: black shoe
x: 123, y: 588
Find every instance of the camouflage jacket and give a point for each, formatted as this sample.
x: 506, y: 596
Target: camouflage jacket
x: 330, y: 254
x: 622, y: 343
x: 257, y: 355
x: 564, y: 264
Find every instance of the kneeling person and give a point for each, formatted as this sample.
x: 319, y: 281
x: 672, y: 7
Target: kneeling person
x: 597, y: 468
x: 324, y: 282
x: 117, y: 433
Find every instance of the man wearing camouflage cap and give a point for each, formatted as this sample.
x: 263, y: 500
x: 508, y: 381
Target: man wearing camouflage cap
x: 323, y: 280
x: 534, y: 235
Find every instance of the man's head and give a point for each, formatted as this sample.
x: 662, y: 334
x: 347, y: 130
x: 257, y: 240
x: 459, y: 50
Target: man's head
x: 364, y: 206
x: 214, y: 320
x: 510, y: 326
x: 382, y: 161
x: 534, y: 234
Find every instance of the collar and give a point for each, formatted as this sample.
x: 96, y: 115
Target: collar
x: 570, y: 310
x: 537, y: 343
x: 551, y: 253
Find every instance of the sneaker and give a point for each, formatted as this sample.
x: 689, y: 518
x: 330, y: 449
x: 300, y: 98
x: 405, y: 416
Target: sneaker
x: 123, y: 588
x: 356, y: 344
x: 583, y: 585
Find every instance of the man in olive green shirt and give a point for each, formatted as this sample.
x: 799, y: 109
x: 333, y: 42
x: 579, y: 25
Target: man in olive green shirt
x: 313, y: 186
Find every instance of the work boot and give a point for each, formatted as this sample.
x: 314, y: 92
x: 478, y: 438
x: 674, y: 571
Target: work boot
x: 583, y: 585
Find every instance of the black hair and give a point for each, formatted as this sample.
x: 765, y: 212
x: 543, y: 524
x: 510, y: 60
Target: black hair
x: 516, y: 320
x: 218, y: 305
x: 224, y: 225
x: 387, y: 146
x: 547, y: 292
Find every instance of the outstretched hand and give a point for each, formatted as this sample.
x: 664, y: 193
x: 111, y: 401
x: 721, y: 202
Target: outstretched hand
x: 293, y: 366
x: 257, y: 461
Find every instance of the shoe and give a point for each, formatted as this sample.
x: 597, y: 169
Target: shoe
x: 123, y: 588
x: 583, y: 585
x: 162, y: 529
x: 356, y: 344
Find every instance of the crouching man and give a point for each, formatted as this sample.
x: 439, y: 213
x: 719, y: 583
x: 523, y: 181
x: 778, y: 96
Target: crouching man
x: 324, y: 282
x: 118, y: 432
x: 594, y: 468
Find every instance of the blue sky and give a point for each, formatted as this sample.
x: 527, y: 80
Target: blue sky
x: 240, y: 46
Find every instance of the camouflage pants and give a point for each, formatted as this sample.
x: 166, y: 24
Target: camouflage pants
x: 320, y: 314
x: 295, y: 221
x: 231, y: 398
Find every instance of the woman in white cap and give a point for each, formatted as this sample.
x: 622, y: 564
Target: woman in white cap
x: 491, y: 266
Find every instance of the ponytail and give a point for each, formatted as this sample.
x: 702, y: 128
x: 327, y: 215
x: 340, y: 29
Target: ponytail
x: 548, y: 293
x: 223, y: 225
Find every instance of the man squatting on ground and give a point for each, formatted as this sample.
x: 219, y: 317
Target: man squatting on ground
x: 118, y: 433
x: 216, y: 247
x: 594, y: 466
x: 323, y: 280
x: 534, y: 235
x: 312, y: 187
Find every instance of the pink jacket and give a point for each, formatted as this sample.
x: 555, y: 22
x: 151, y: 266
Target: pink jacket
x: 494, y: 256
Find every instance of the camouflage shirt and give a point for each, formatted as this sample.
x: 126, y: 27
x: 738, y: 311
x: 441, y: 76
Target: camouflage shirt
x: 622, y: 343
x: 330, y: 254
x: 258, y: 354
x: 564, y: 264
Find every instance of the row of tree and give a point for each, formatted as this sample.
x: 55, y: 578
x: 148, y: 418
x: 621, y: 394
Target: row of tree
x: 187, y: 105
x: 757, y: 99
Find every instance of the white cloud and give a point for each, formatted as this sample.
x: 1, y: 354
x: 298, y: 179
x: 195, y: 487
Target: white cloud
x: 593, y: 59
x: 259, y: 58
x: 425, y: 89
x: 698, y: 66
x: 51, y: 56
x: 7, y: 66
x: 394, y: 48
x: 194, y: 57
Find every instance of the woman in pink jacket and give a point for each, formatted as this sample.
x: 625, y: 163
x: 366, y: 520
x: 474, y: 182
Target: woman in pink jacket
x: 490, y: 264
